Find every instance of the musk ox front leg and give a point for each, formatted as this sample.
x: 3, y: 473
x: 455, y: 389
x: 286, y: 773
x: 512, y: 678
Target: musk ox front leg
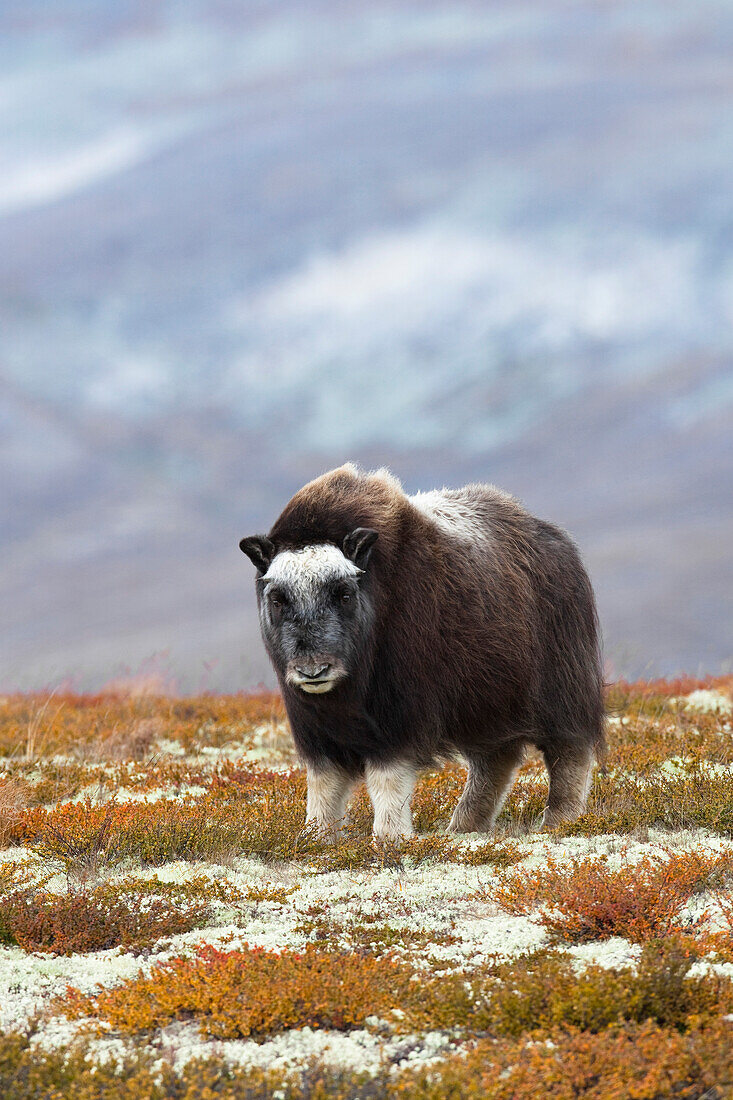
x: 328, y: 792
x: 390, y: 788
x: 487, y: 785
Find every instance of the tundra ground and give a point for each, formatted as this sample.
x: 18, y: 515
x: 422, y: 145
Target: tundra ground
x: 169, y: 928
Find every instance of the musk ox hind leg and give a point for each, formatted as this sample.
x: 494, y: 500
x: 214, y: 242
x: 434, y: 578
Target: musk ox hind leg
x: 488, y: 782
x: 329, y: 788
x: 390, y: 788
x: 571, y: 770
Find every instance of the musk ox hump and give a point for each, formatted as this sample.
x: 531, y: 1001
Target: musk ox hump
x: 466, y: 514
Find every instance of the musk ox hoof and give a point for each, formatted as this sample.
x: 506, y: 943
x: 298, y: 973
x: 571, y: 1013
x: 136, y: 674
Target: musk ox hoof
x: 552, y: 819
x: 392, y: 836
x: 327, y: 831
x: 460, y: 824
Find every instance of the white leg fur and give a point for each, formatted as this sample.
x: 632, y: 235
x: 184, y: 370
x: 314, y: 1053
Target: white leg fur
x: 390, y: 788
x: 328, y: 793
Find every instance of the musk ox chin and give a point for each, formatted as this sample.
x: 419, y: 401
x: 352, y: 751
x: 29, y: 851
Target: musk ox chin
x: 406, y: 630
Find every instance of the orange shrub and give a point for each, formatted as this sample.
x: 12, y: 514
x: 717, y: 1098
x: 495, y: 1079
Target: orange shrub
x: 115, y: 724
x: 436, y: 796
x: 94, y: 920
x: 256, y: 992
x: 252, y: 992
x: 643, y: 1062
x: 590, y: 900
x: 265, y: 820
x: 545, y: 990
x: 721, y: 942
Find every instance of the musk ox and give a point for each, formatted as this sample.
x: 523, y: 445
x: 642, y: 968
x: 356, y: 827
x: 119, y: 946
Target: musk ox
x: 406, y: 630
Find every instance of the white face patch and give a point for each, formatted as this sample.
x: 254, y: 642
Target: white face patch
x: 303, y: 572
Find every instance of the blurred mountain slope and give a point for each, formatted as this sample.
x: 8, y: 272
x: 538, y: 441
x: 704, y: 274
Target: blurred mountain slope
x: 241, y: 243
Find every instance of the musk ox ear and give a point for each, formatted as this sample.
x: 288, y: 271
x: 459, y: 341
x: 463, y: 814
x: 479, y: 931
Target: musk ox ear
x: 358, y: 545
x: 259, y: 550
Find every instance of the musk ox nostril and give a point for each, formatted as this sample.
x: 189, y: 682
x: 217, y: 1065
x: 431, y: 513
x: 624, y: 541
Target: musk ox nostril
x: 311, y: 672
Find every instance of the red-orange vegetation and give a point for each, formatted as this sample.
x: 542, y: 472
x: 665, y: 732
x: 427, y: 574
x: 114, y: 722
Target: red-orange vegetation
x: 653, y: 696
x: 88, y: 919
x: 671, y: 687
x: 631, y: 1062
x: 589, y: 900
x: 118, y: 725
x: 720, y: 941
x: 252, y: 992
x: 263, y: 816
x: 436, y: 796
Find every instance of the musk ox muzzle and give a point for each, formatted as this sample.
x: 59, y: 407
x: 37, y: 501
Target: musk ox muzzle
x: 315, y: 675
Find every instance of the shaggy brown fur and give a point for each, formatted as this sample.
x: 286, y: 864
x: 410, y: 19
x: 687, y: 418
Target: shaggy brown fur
x: 483, y: 639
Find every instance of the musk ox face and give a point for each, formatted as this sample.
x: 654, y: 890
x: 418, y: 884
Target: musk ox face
x: 315, y: 609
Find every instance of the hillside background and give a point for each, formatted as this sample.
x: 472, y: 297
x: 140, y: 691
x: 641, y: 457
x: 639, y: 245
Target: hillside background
x: 241, y: 242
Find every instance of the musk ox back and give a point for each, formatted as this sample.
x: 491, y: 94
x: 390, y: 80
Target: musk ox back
x: 405, y: 630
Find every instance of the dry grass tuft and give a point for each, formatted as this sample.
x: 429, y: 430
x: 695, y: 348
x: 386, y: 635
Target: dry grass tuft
x: 85, y: 837
x: 85, y: 726
x: 245, y: 812
x: 134, y: 742
x: 625, y: 804
x: 13, y: 799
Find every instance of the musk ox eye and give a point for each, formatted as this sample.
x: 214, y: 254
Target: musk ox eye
x: 277, y: 600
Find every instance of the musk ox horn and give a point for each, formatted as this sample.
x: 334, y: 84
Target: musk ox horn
x: 358, y: 545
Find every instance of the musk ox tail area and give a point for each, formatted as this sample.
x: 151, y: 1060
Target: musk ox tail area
x: 571, y: 674
x: 570, y: 710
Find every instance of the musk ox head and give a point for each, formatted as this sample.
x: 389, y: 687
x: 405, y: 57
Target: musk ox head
x: 315, y: 607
